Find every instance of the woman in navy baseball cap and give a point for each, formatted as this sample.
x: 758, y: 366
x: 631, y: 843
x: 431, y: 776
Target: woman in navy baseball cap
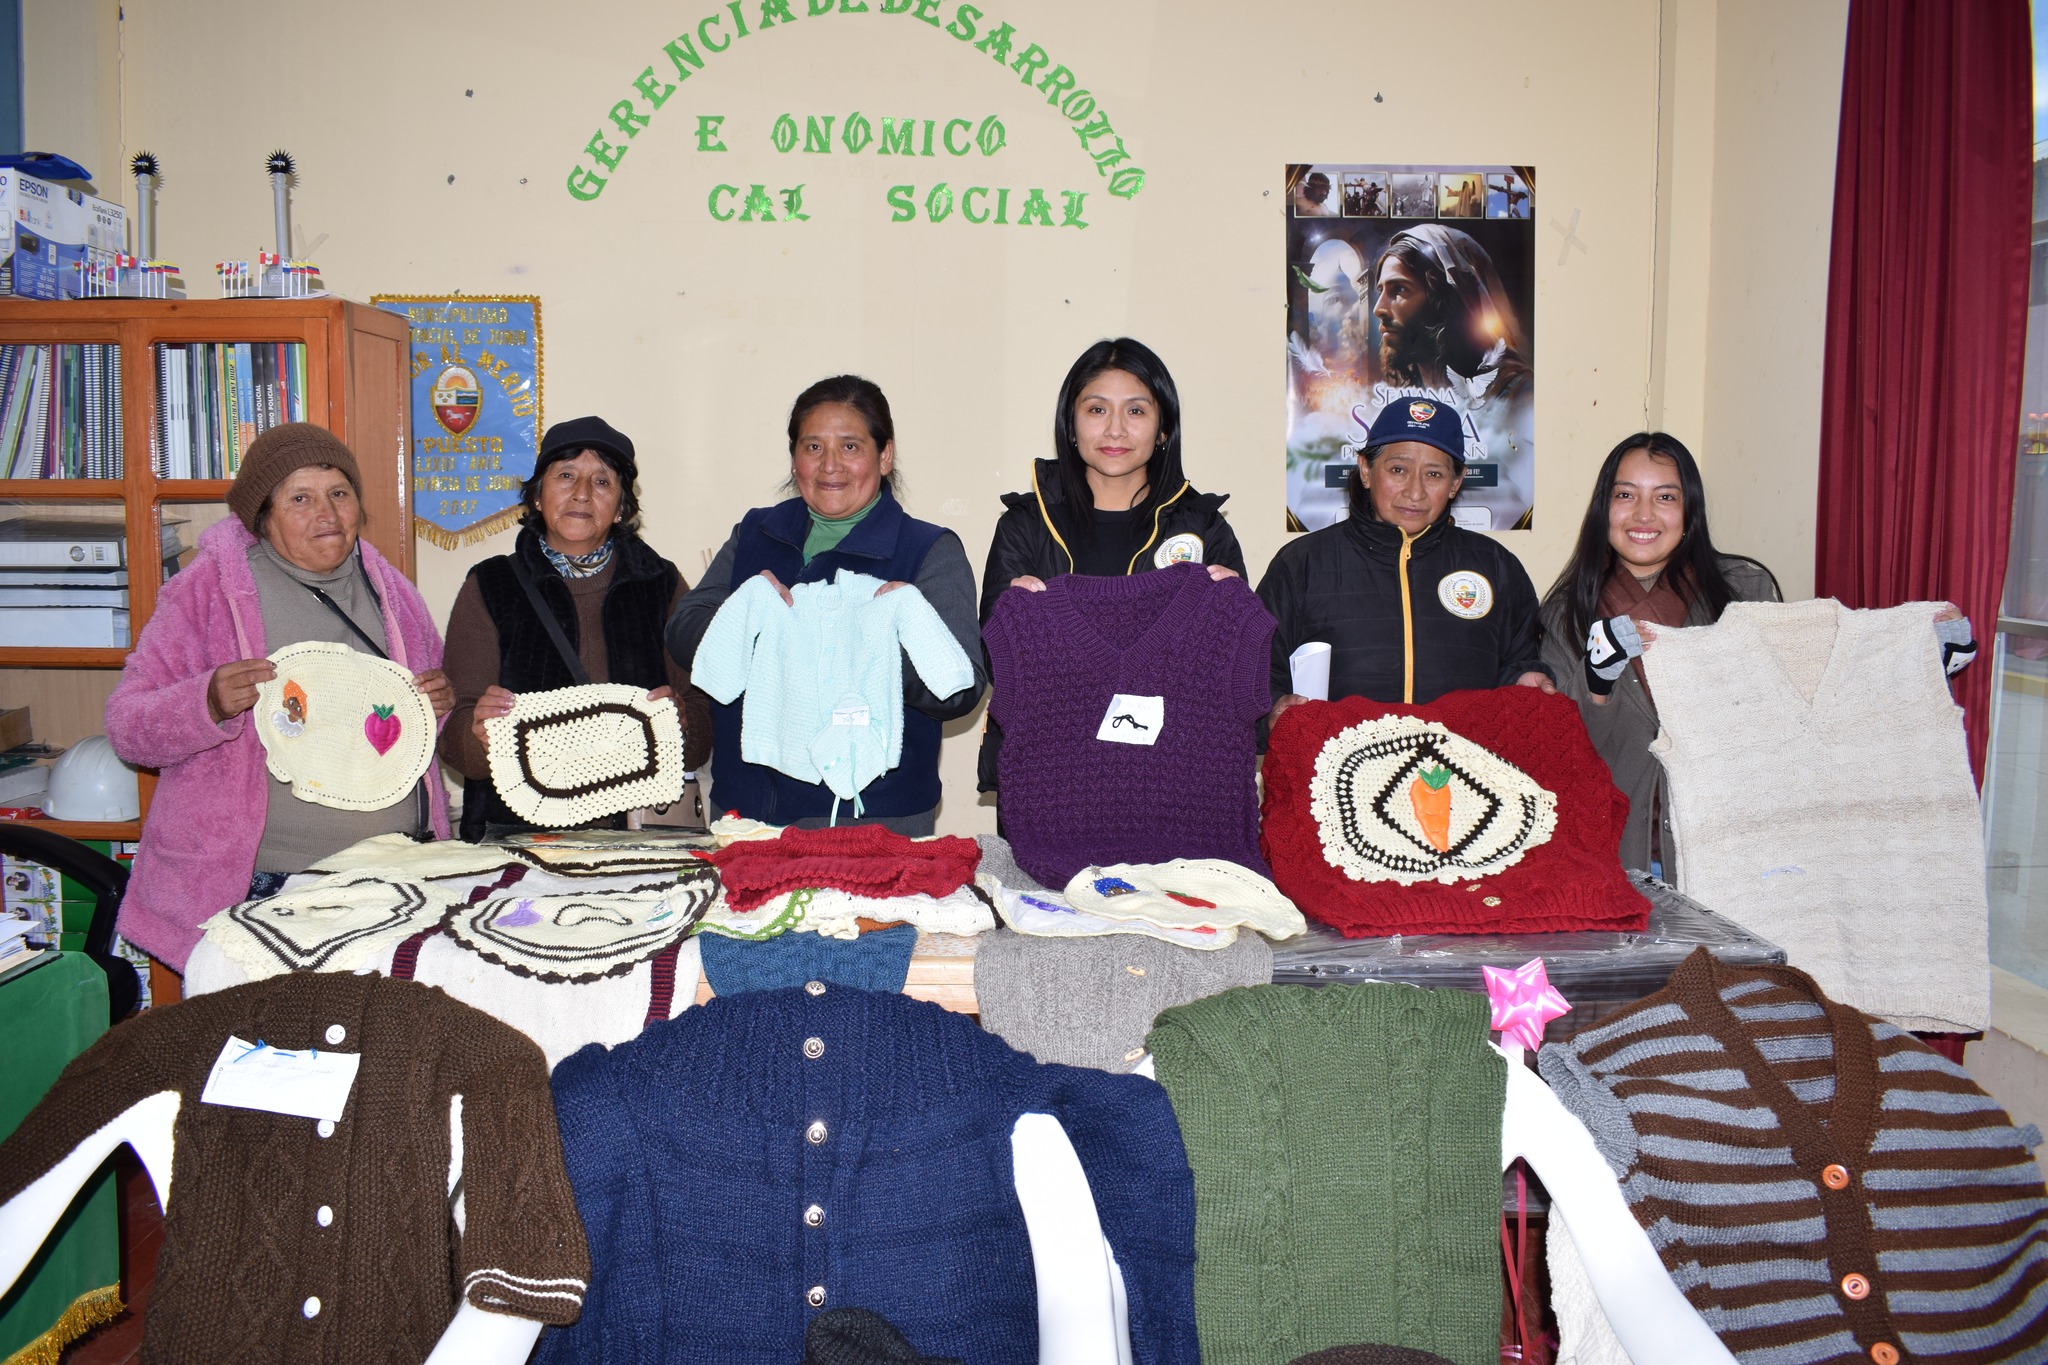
x: 1411, y: 604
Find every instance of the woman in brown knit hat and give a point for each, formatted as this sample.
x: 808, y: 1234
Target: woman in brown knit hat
x: 289, y: 567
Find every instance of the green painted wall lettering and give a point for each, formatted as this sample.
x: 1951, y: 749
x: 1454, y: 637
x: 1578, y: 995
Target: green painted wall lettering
x: 756, y: 205
x: 900, y: 137
x: 716, y: 32
x: 973, y: 204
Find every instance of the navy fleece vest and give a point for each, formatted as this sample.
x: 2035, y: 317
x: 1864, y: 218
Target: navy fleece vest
x: 889, y: 544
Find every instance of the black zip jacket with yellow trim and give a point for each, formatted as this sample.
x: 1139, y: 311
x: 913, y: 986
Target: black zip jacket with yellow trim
x: 1037, y: 527
x: 1407, y: 620
x: 1033, y: 535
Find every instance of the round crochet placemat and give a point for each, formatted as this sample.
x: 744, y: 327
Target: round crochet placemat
x: 582, y: 936
x: 346, y: 729
x: 578, y: 754
x: 1405, y: 800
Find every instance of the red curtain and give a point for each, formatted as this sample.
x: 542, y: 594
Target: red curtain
x: 1926, y: 314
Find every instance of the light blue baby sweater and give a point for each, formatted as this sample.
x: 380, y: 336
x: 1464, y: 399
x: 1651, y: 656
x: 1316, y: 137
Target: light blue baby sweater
x: 824, y: 679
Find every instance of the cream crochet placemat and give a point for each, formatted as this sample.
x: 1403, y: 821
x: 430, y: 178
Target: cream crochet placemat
x: 1186, y: 893
x: 837, y: 914
x: 346, y: 729
x: 578, y: 754
x: 1046, y: 914
x: 334, y: 924
x: 1405, y: 800
x: 587, y: 933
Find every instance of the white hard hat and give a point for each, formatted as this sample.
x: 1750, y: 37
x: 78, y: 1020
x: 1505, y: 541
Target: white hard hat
x: 90, y: 783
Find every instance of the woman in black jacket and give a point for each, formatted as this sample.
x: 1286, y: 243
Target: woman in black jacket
x: 1112, y: 501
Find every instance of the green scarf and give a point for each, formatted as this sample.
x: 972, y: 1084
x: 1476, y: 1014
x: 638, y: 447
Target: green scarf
x: 1345, y: 1142
x: 827, y: 532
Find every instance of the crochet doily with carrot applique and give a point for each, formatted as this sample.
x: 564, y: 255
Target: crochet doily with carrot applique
x: 1405, y: 800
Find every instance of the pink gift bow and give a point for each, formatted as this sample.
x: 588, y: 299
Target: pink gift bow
x: 1523, y: 1002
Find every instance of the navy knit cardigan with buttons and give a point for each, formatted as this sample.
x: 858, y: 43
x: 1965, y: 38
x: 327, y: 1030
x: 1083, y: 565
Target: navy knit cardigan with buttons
x: 776, y: 1153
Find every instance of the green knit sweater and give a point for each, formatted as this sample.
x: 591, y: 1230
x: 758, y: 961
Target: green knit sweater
x: 1345, y: 1142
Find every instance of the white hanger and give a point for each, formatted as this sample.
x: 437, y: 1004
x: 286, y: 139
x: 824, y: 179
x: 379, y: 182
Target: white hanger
x: 473, y: 1337
x: 1652, y: 1318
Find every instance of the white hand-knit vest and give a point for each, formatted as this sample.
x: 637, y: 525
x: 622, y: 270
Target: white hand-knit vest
x: 1821, y: 797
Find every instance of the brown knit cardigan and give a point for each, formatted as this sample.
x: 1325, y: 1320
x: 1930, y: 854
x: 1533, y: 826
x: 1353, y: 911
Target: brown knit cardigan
x: 269, y: 1215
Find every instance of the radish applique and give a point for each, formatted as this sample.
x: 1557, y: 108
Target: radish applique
x: 381, y: 728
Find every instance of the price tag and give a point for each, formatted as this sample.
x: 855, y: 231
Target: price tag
x: 308, y: 1084
x: 1132, y: 720
x: 853, y: 714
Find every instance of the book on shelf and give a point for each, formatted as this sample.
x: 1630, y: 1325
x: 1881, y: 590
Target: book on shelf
x: 64, y: 627
x: 213, y: 398
x: 60, y: 408
x: 79, y: 552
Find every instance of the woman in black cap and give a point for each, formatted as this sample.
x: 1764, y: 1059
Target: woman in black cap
x: 1411, y: 604
x: 579, y: 556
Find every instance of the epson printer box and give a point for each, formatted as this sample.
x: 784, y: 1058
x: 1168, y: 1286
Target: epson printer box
x: 53, y: 233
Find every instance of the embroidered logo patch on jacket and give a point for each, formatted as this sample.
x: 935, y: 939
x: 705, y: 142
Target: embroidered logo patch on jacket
x: 1465, y: 594
x: 1185, y: 548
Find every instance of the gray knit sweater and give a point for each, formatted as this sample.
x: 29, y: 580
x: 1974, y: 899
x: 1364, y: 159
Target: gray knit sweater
x: 1822, y: 1186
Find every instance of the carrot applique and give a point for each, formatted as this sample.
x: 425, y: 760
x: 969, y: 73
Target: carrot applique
x: 1430, y: 793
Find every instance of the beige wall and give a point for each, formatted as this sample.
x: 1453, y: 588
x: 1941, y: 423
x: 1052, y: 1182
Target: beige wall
x: 1754, y: 93
x: 1693, y: 138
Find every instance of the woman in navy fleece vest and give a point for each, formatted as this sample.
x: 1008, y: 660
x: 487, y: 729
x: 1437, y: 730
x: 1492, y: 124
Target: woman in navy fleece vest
x: 842, y: 465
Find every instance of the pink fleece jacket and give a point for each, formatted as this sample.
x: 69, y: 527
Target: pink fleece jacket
x: 206, y: 819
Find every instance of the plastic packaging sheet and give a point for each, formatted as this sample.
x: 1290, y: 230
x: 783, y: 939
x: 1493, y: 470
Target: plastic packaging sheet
x: 1591, y: 969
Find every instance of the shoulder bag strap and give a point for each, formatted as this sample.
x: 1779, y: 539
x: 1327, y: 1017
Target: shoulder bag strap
x: 547, y: 619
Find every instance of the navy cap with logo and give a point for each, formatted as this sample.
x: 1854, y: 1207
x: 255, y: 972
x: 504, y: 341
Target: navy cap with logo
x: 1419, y: 419
x: 587, y: 433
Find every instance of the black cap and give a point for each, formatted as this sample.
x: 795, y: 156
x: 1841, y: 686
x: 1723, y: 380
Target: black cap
x: 587, y: 433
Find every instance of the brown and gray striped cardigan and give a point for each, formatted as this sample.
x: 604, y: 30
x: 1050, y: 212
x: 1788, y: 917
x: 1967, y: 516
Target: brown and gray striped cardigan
x: 1822, y: 1186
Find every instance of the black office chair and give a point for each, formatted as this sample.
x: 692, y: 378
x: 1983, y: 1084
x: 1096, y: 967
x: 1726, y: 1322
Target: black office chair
x: 107, y: 880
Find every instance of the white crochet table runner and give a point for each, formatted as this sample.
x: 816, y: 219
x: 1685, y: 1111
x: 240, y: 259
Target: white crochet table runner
x: 1821, y: 797
x: 601, y: 928
x: 1406, y: 800
x: 577, y: 754
x: 346, y: 729
x: 336, y: 923
x: 571, y: 939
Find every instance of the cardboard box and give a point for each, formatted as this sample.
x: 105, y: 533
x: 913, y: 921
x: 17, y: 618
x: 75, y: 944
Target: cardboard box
x: 53, y: 233
x: 15, y: 730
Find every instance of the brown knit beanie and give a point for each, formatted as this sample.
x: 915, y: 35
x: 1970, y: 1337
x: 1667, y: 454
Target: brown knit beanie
x: 272, y: 457
x: 1371, y: 1355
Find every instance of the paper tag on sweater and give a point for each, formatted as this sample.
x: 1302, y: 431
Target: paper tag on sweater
x: 1132, y: 720
x: 309, y: 1084
x: 856, y: 714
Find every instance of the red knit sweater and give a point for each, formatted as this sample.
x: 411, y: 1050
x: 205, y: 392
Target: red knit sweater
x: 866, y: 860
x: 1572, y: 880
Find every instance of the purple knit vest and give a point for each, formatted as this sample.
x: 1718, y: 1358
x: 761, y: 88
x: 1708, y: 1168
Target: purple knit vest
x: 1059, y: 657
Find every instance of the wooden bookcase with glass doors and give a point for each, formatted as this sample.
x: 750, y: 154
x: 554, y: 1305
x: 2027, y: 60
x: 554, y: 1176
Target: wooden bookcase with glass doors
x: 353, y: 381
